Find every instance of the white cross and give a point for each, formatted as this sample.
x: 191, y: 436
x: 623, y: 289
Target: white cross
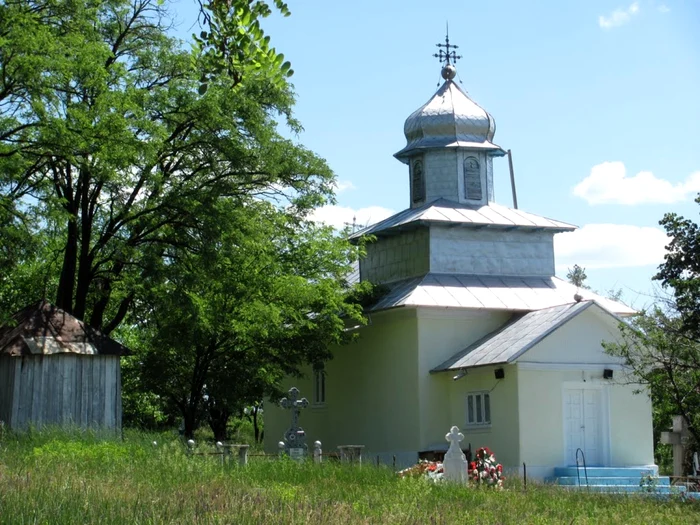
x: 454, y: 437
x: 679, y: 439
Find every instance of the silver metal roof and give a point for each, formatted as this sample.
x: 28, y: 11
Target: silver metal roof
x: 453, y: 213
x: 449, y: 119
x: 486, y: 292
x: 515, y: 338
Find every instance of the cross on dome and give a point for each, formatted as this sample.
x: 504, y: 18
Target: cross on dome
x: 447, y: 56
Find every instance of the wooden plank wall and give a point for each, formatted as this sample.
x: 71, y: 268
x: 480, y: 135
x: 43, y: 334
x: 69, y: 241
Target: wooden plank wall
x: 62, y: 390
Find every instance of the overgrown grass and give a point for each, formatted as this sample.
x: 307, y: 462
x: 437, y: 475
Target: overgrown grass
x: 55, y: 477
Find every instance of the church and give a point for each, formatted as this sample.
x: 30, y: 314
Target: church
x: 473, y: 328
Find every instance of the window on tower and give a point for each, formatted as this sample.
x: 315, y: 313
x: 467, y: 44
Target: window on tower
x: 417, y: 182
x: 472, y: 179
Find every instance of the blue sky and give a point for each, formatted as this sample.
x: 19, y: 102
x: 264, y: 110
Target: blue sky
x: 598, y: 101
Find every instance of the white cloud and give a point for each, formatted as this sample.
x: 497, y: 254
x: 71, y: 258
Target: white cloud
x: 663, y: 8
x: 610, y: 246
x: 341, y: 216
x: 343, y: 185
x: 608, y: 183
x: 618, y: 17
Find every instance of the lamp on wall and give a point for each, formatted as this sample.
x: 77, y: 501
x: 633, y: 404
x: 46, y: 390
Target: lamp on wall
x: 460, y: 374
x: 499, y: 373
x: 607, y: 373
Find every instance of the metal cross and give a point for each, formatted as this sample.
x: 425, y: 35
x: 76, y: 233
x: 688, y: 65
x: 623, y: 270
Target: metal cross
x: 447, y: 56
x: 295, y: 404
x: 353, y: 224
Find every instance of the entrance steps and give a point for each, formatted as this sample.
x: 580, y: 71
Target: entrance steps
x: 616, y: 480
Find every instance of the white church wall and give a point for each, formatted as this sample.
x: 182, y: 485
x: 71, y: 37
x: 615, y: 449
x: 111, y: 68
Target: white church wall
x: 371, y: 393
x: 491, y: 252
x: 626, y: 435
x: 501, y: 436
x: 578, y: 341
x: 397, y: 257
x: 441, y: 334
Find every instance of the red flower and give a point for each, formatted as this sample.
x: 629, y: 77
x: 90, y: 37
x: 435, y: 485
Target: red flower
x: 472, y: 465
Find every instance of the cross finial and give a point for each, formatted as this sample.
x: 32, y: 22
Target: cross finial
x: 454, y: 436
x: 447, y: 56
x: 353, y: 225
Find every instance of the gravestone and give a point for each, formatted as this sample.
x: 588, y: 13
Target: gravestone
x: 678, y: 437
x: 294, y: 437
x: 455, y: 463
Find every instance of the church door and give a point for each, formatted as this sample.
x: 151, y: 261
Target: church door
x: 584, y: 425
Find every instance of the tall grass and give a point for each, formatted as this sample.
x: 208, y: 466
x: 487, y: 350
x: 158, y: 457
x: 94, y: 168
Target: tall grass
x: 54, y: 477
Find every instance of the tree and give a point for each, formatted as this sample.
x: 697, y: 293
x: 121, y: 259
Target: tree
x: 665, y: 361
x: 121, y: 140
x: 261, y: 295
x: 577, y: 276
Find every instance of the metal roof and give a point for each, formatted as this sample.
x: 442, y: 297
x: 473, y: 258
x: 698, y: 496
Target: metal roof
x: 515, y: 338
x: 444, y: 211
x: 490, y: 293
x: 43, y: 328
x: 449, y: 119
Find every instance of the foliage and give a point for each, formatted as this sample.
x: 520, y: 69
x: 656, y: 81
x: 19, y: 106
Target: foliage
x: 143, y: 483
x: 577, y: 276
x: 111, y: 146
x: 261, y: 295
x: 666, y: 362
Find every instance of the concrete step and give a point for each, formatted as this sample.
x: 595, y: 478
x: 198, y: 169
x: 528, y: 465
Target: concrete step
x: 606, y: 472
x: 625, y: 489
x: 597, y: 480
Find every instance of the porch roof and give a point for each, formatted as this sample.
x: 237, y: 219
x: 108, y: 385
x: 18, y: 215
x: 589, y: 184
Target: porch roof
x: 516, y: 337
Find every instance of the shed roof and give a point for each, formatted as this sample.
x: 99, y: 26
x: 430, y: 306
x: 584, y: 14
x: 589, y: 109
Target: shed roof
x: 490, y: 292
x: 444, y: 211
x: 43, y: 328
x: 515, y: 338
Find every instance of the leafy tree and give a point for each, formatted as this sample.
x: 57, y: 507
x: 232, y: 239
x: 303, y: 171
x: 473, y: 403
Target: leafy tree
x: 120, y: 140
x: 577, y: 276
x: 261, y: 295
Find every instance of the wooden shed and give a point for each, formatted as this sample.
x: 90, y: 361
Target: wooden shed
x: 55, y: 370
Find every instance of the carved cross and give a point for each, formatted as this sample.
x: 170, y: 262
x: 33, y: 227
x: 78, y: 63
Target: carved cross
x: 679, y: 439
x: 294, y: 437
x: 454, y: 436
x: 455, y: 464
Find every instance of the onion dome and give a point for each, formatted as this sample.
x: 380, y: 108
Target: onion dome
x: 450, y: 119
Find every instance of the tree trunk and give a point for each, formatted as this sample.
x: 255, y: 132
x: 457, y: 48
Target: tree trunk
x: 66, y: 284
x: 218, y: 420
x: 191, y: 423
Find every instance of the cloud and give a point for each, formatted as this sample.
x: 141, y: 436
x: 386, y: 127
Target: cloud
x: 663, y: 8
x: 608, y: 183
x: 618, y: 17
x: 610, y: 246
x: 343, y: 185
x: 341, y: 216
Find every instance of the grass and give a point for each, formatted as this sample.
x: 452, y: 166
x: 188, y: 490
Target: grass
x: 55, y: 478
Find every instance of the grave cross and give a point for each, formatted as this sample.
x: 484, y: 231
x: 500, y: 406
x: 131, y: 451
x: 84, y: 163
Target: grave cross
x: 679, y: 439
x: 294, y: 436
x: 455, y: 463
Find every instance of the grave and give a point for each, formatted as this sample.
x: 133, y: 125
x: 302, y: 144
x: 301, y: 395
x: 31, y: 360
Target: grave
x: 678, y: 437
x: 455, y: 463
x: 294, y: 438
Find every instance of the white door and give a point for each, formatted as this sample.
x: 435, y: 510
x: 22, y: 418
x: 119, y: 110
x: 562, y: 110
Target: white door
x: 583, y: 425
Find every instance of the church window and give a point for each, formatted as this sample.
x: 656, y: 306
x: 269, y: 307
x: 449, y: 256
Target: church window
x: 478, y: 409
x: 319, y: 386
x: 472, y: 179
x: 417, y: 182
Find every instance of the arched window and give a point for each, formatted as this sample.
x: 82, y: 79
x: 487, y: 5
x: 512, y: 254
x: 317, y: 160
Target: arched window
x: 417, y: 182
x: 472, y: 179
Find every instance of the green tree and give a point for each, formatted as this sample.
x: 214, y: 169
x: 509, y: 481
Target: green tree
x: 261, y: 296
x: 120, y: 139
x: 577, y: 276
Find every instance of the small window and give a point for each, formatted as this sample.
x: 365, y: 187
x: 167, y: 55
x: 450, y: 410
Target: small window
x: 417, y: 182
x: 478, y: 409
x: 472, y: 179
x: 319, y: 386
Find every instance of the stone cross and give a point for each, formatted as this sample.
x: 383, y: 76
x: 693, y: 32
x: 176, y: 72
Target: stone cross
x: 294, y: 437
x: 679, y: 439
x: 455, y: 463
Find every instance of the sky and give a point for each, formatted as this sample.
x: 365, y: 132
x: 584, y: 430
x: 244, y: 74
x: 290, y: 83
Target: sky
x: 598, y: 100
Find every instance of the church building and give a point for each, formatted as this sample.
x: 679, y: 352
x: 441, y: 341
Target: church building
x: 474, y: 329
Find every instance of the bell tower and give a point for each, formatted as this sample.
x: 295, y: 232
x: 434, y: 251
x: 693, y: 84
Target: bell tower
x: 449, y: 149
